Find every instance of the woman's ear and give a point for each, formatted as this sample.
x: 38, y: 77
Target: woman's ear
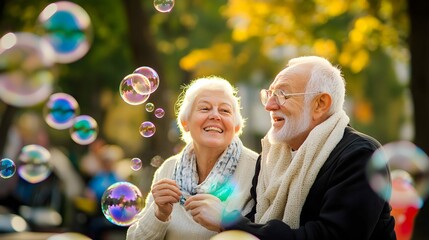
x: 185, y: 125
x: 237, y: 128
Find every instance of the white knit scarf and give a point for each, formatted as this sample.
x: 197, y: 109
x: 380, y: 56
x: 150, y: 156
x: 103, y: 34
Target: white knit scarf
x: 186, y: 175
x: 285, y: 182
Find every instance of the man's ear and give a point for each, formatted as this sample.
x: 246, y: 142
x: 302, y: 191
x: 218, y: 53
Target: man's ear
x: 322, y: 104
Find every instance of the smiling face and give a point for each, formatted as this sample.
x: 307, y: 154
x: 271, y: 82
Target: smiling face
x: 211, y: 120
x: 292, y: 121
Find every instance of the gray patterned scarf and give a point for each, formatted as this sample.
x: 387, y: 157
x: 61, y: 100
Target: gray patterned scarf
x: 186, y: 176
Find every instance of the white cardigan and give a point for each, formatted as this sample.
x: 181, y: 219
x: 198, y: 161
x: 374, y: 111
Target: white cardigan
x: 181, y: 225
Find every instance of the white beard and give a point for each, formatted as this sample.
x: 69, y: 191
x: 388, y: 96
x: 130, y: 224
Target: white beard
x: 291, y: 128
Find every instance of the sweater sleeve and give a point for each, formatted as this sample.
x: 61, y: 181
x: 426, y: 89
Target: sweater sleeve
x: 148, y: 226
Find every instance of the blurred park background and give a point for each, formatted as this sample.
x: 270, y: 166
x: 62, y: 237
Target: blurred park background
x: 382, y: 47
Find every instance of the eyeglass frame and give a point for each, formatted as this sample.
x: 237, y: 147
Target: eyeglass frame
x: 277, y: 93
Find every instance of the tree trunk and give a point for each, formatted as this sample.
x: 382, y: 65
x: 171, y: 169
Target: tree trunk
x: 418, y: 11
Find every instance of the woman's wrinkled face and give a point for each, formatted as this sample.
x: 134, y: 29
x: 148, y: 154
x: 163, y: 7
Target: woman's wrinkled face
x: 211, y: 120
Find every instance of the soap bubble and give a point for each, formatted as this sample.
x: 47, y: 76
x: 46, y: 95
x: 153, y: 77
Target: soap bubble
x: 159, y: 112
x: 147, y: 129
x: 67, y: 27
x: 127, y: 91
x: 35, y: 163
x: 121, y: 202
x: 7, y: 168
x: 26, y: 63
x: 234, y: 235
x: 136, y: 164
x: 60, y: 110
x: 84, y: 130
x: 163, y: 6
x: 149, y: 107
x: 150, y: 75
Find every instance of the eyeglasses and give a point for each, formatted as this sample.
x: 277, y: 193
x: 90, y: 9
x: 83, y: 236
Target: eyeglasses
x: 281, y: 96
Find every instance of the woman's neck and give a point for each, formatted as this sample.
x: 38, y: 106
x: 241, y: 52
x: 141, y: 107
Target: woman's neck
x: 206, y: 159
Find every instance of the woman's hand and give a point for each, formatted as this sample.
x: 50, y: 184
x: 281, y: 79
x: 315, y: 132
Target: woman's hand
x: 165, y: 193
x: 206, y: 210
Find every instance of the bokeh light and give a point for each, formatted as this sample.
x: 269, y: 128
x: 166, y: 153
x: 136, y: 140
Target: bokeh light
x: 149, y: 107
x: 7, y: 168
x: 34, y: 164
x: 147, y: 129
x: 159, y: 112
x: 407, y: 185
x: 60, y: 110
x: 156, y: 161
x: 26, y: 76
x: 67, y: 27
x: 84, y: 130
x: 163, y: 6
x: 121, y: 202
x: 151, y: 75
x: 136, y: 164
x: 129, y: 93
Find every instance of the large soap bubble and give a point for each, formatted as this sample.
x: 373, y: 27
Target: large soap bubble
x: 67, y: 27
x: 60, y: 110
x: 34, y: 164
x: 121, y: 202
x: 26, y: 62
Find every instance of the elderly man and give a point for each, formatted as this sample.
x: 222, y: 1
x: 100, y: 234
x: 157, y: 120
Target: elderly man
x: 310, y: 180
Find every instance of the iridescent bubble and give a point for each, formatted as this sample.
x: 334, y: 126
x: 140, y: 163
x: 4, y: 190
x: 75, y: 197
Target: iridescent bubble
x: 149, y: 107
x: 7, y: 168
x: 60, y: 110
x: 121, y: 202
x: 140, y: 84
x: 151, y: 75
x: 136, y: 164
x: 163, y: 5
x: 156, y: 161
x: 128, y: 93
x: 406, y: 186
x: 67, y: 27
x: 159, y: 112
x: 34, y: 164
x: 84, y: 130
x: 234, y: 235
x: 26, y: 75
x: 147, y: 129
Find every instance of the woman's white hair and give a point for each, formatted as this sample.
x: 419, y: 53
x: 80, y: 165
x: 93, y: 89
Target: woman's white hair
x: 190, y: 92
x: 324, y: 77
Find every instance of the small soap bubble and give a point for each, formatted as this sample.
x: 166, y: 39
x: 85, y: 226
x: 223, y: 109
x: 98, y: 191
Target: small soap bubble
x: 121, y: 202
x: 128, y: 92
x: 67, y: 27
x: 156, y: 161
x: 136, y: 164
x: 234, y: 235
x: 159, y: 112
x: 35, y: 163
x: 151, y: 75
x: 84, y: 130
x: 60, y: 110
x: 163, y: 6
x: 149, y: 107
x: 147, y: 129
x: 7, y: 168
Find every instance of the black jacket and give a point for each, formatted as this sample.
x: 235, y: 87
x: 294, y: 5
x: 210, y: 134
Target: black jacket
x: 340, y: 205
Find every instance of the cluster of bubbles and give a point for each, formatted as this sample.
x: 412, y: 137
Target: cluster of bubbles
x: 399, y: 173
x: 163, y: 6
x: 34, y: 164
x: 61, y: 111
x: 63, y: 35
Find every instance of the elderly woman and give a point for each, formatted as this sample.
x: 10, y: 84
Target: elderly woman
x: 214, y: 169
